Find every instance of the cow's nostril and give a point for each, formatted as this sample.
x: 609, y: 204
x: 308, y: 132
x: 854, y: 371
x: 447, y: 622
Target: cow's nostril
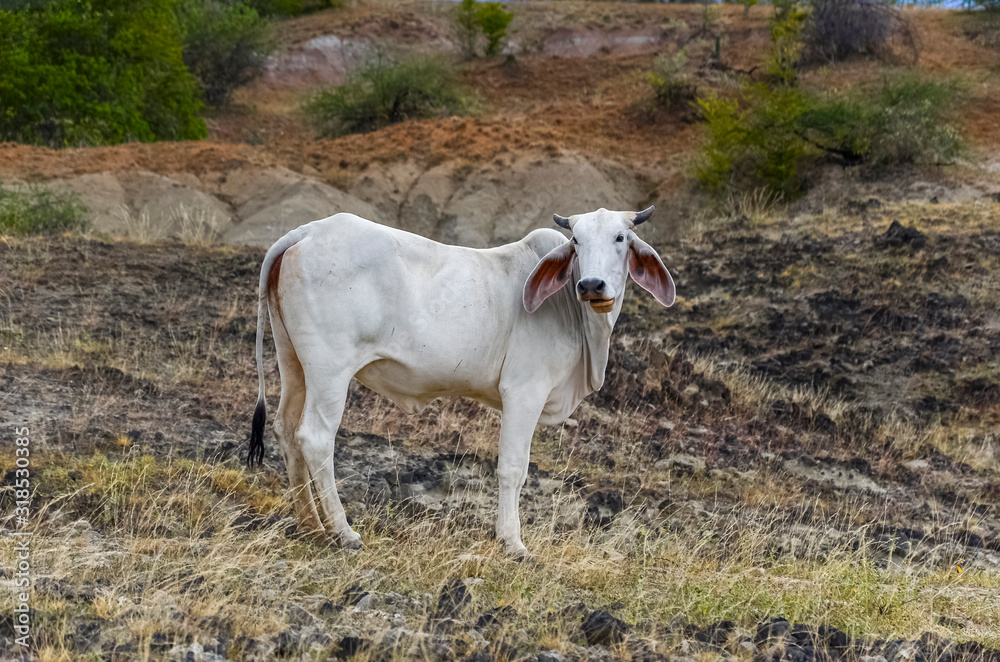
x: 590, y: 286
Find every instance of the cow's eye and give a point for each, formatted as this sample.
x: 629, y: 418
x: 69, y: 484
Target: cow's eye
x: 620, y: 238
x: 573, y: 240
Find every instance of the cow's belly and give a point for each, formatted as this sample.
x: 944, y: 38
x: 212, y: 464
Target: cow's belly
x: 412, y: 389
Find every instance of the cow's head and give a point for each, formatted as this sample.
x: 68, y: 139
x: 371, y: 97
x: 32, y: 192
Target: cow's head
x: 607, y: 249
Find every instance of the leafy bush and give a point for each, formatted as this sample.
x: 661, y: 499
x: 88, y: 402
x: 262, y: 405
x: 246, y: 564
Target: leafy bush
x: 758, y: 146
x: 494, y: 21
x: 385, y: 92
x: 903, y: 122
x: 839, y: 29
x: 37, y: 210
x: 770, y: 136
x: 670, y: 81
x: 95, y: 72
x: 225, y: 45
x: 472, y: 21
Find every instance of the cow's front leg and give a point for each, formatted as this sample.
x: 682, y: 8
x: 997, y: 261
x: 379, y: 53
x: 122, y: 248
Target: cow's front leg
x: 520, y: 415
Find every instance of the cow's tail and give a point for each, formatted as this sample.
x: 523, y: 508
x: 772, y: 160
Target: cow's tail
x: 268, y: 278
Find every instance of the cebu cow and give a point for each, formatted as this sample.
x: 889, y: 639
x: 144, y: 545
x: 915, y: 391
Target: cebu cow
x: 416, y: 320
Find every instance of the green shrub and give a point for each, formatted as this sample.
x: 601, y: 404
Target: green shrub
x: 95, y: 72
x: 225, y: 45
x: 34, y: 209
x: 670, y: 81
x: 770, y: 136
x: 904, y: 121
x: 384, y: 92
x: 472, y: 21
x: 757, y: 146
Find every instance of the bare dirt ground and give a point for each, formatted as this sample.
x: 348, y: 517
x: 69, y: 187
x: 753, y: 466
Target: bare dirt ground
x: 811, y: 433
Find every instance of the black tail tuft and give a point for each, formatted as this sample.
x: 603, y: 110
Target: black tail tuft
x: 256, y: 453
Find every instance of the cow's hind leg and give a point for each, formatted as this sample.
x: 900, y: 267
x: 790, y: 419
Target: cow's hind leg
x: 322, y: 411
x: 286, y: 423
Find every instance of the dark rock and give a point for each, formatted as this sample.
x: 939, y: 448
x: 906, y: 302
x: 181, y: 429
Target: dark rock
x: 603, y: 507
x: 601, y: 628
x: 981, y: 391
x: 833, y: 637
x: 718, y: 633
x: 352, y: 646
x: 161, y: 641
x: 353, y: 595
x: 771, y: 628
x: 899, y: 235
x: 453, y: 599
x: 494, y: 617
x: 286, y: 643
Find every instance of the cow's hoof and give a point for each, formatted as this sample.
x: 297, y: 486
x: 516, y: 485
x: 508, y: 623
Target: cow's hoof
x: 519, y: 553
x: 350, y: 540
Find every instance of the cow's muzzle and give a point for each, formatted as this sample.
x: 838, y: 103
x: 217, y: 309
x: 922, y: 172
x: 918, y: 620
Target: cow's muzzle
x: 592, y: 291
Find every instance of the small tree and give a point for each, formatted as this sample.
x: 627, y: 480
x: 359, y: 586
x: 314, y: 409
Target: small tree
x: 786, y: 45
x: 493, y: 21
x: 465, y: 27
x: 471, y: 21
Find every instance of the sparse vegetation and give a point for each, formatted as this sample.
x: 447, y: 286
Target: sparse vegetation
x: 34, y: 209
x: 387, y: 91
x: 671, y: 82
x: 770, y: 134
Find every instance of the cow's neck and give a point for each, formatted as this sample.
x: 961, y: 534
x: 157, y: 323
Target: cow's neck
x: 595, y: 335
x: 597, y: 330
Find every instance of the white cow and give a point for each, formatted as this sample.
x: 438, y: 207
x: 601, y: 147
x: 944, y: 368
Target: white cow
x: 415, y: 320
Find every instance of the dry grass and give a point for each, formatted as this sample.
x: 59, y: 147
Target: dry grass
x: 183, y: 550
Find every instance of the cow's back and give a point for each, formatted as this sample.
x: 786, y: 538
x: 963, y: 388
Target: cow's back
x: 414, y: 318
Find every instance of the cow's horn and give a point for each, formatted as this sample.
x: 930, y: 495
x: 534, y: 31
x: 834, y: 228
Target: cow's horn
x: 643, y: 216
x: 561, y: 221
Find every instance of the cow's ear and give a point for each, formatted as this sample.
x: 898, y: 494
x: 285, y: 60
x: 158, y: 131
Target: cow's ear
x: 647, y: 269
x: 551, y: 273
